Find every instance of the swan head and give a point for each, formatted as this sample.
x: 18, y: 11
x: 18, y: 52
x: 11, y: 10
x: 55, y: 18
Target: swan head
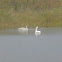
x: 37, y: 27
x: 27, y: 26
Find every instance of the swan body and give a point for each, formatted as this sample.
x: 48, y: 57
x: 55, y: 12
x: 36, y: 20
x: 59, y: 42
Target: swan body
x: 37, y: 32
x: 23, y: 29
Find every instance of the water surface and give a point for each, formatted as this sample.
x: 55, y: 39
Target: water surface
x: 18, y: 46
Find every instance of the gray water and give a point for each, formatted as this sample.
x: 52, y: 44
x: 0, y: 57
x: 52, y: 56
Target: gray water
x: 18, y: 46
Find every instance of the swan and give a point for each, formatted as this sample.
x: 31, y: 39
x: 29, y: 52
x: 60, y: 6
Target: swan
x: 23, y: 29
x: 37, y: 32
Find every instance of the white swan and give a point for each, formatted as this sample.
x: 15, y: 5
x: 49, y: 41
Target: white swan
x: 37, y: 32
x: 23, y: 29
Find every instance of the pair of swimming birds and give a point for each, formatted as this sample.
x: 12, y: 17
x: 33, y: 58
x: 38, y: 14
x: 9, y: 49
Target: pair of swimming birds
x: 37, y: 32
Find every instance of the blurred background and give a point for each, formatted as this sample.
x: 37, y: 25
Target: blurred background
x: 17, y: 13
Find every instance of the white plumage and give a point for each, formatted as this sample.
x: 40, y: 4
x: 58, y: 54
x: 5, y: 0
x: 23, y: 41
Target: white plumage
x: 37, y: 32
x: 23, y: 29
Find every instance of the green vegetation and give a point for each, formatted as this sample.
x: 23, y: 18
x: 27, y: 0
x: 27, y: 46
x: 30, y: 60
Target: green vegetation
x: 42, y: 13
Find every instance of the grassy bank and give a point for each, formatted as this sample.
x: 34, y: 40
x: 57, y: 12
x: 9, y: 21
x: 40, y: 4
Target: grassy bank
x: 9, y: 18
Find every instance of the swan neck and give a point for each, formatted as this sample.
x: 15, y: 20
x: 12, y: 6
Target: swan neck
x: 36, y: 28
x: 26, y: 26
